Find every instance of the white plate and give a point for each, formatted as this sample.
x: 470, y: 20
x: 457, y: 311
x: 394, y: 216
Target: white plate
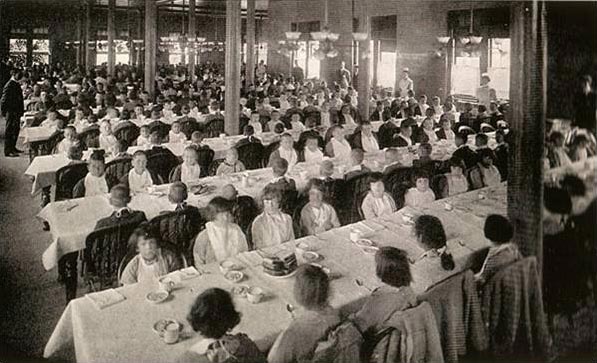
x: 363, y: 242
x: 370, y: 250
x: 311, y: 256
x: 283, y: 276
x: 157, y: 297
x: 234, y: 276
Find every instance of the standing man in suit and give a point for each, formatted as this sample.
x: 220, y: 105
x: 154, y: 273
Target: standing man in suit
x: 12, y: 108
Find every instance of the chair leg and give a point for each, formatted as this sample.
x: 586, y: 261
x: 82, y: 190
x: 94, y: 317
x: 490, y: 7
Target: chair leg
x: 69, y: 262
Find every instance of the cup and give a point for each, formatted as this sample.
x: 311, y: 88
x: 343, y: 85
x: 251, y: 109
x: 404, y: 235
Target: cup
x: 255, y: 295
x: 481, y: 195
x: 244, y: 181
x: 166, y: 284
x: 222, y: 136
x: 355, y: 235
x: 448, y: 206
x: 171, y: 333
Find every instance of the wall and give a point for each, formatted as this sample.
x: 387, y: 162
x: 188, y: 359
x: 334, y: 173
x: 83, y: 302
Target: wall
x: 572, y: 52
x: 418, y: 25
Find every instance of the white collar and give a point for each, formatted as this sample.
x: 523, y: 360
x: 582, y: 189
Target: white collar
x: 202, y: 346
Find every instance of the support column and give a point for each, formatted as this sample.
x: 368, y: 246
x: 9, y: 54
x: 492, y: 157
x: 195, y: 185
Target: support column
x: 111, y: 36
x: 232, y: 75
x: 364, y: 83
x: 150, y: 45
x: 87, y: 37
x: 192, y: 35
x: 79, y: 37
x: 528, y: 86
x: 250, y: 68
x: 375, y: 58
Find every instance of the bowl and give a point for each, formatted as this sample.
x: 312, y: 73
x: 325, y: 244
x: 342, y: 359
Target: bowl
x: 370, y: 250
x: 363, y: 242
x: 234, y: 276
x: 159, y: 327
x: 255, y: 294
x: 240, y: 290
x: 311, y: 256
x: 227, y: 265
x: 156, y: 297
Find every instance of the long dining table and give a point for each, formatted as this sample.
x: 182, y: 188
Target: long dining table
x: 43, y: 168
x: 72, y: 220
x: 123, y: 331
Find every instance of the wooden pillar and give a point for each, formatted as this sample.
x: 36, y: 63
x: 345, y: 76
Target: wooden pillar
x: 232, y: 75
x: 375, y: 58
x: 250, y: 68
x: 193, y: 36
x: 150, y: 45
x: 364, y: 84
x: 79, y: 36
x: 111, y: 36
x: 528, y: 85
x: 87, y: 37
x: 139, y: 52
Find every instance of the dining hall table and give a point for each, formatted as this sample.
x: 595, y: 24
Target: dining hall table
x: 72, y: 220
x: 43, y: 168
x: 117, y: 326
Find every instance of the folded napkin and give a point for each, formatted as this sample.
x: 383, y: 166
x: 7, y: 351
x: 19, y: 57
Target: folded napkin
x: 106, y: 298
x: 188, y: 273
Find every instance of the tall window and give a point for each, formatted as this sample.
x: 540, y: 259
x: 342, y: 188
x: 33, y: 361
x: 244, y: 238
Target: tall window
x: 305, y: 57
x: 386, y: 69
x: 18, y: 50
x: 466, y: 74
x: 499, y: 66
x: 41, y: 51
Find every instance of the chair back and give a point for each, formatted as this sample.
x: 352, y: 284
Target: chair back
x: 213, y: 167
x: 116, y: 169
x: 409, y: 335
x: 355, y: 187
x: 205, y: 159
x: 251, y: 155
x: 45, y: 147
x: 466, y: 130
x: 268, y: 150
x: 104, y: 250
x: 128, y: 133
x: 397, y: 183
x: 214, y: 127
x: 162, y: 128
x: 66, y: 179
x: 457, y: 311
x: 244, y: 212
x: 512, y: 307
x: 179, y: 228
x: 486, y: 127
x: 161, y: 164
x: 289, y: 199
x: 89, y: 137
x: 188, y: 127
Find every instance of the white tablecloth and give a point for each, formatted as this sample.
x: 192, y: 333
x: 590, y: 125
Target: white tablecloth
x: 123, y: 332
x: 43, y: 170
x: 69, y: 227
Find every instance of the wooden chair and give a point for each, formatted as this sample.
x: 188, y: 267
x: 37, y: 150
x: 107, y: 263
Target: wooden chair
x: 179, y: 228
x: 397, y: 183
x: 251, y: 155
x: 188, y: 127
x: 89, y: 137
x: 161, y: 164
x: 45, y: 147
x: 116, y: 169
x: 269, y: 149
x: 205, y: 159
x: 164, y: 245
x: 244, y: 212
x: 66, y: 178
x: 355, y: 186
x: 214, y: 127
x: 162, y: 128
x: 213, y: 167
x: 127, y: 133
x: 104, y: 249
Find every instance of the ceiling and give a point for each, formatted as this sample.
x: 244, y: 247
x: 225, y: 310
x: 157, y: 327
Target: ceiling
x: 205, y: 5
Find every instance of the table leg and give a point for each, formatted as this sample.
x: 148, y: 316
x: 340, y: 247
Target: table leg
x: 68, y: 268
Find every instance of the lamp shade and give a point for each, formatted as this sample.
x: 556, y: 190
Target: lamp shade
x: 293, y: 35
x: 443, y: 40
x: 359, y: 37
x: 475, y: 40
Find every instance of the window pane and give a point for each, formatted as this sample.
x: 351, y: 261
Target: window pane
x: 41, y: 46
x: 386, y: 69
x: 499, y: 66
x: 466, y: 75
x: 314, y: 63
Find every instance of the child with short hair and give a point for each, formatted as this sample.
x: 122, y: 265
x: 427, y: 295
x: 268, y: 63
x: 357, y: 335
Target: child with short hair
x: 107, y: 140
x: 189, y: 170
x: 143, y: 139
x: 70, y: 140
x: 139, y: 178
x: 421, y: 194
x: 175, y: 135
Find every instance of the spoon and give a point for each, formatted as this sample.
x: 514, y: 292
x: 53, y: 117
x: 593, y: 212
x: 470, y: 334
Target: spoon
x: 360, y: 284
x: 290, y: 309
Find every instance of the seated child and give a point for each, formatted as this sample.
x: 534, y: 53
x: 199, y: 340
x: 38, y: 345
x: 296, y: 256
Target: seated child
x: 175, y: 135
x: 143, y: 139
x: 151, y: 261
x: 70, y: 140
x: 421, y: 194
x: 107, y: 140
x: 189, y: 169
x: 139, y: 178
x: 231, y: 164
